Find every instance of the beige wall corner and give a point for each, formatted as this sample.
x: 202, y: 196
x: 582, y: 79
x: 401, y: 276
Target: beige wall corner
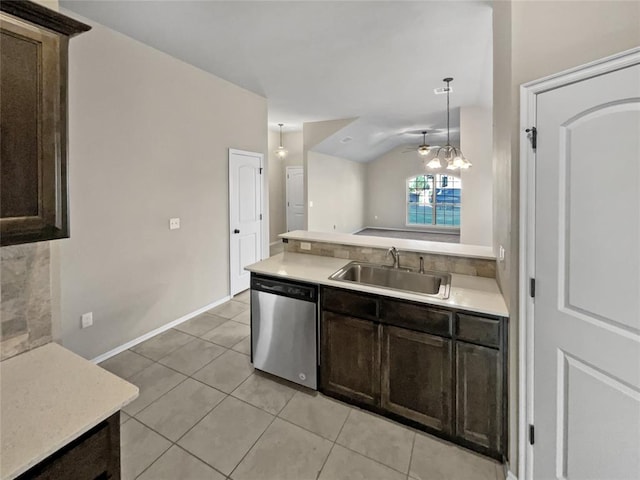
x: 476, y: 141
x: 316, y: 132
x: 148, y: 140
x: 336, y: 188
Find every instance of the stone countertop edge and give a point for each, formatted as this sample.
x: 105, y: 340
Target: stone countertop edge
x: 469, y: 293
x: 50, y: 396
x: 419, y: 246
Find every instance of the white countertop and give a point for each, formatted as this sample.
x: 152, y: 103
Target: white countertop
x: 476, y: 294
x: 421, y: 246
x: 48, y: 397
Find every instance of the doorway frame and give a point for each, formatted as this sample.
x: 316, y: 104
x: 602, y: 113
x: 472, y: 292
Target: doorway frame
x: 287, y: 169
x: 264, y: 207
x: 526, y: 261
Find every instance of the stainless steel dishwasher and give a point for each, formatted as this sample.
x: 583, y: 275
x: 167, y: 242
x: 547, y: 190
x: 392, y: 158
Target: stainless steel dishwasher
x: 284, y: 329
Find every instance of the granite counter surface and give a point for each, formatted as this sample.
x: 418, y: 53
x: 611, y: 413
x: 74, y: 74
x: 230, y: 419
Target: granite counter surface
x: 473, y: 294
x: 49, y: 396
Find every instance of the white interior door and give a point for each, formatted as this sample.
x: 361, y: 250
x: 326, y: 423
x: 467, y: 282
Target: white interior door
x: 295, y: 198
x: 245, y: 215
x: 586, y: 328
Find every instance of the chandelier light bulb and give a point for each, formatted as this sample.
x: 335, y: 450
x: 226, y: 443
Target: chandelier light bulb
x: 434, y: 163
x: 458, y: 162
x: 281, y: 152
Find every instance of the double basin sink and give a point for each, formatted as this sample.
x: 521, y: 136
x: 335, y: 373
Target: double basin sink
x: 434, y: 284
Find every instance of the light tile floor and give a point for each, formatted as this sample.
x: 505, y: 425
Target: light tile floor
x: 203, y: 413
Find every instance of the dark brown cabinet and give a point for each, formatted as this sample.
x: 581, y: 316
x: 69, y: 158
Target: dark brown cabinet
x: 417, y: 377
x: 33, y: 122
x: 479, y: 395
x: 351, y: 366
x: 93, y: 455
x: 435, y: 368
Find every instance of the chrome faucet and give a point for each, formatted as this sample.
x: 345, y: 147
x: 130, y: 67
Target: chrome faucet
x: 393, y: 251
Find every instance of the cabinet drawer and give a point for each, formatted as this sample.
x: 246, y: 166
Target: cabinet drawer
x: 350, y: 303
x: 485, y: 331
x: 416, y: 317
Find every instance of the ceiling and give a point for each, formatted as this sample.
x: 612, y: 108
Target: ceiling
x: 318, y: 60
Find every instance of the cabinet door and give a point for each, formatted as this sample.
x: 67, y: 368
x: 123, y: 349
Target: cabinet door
x: 350, y: 358
x: 479, y: 395
x: 32, y: 121
x: 417, y: 377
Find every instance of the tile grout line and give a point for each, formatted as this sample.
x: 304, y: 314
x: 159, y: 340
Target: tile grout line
x: 371, y: 458
x: 351, y: 409
x: 254, y: 443
x: 334, y: 443
x: 159, y: 456
x: 413, y: 445
x: 226, y: 395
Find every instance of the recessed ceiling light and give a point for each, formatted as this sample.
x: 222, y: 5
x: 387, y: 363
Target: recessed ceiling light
x: 346, y: 140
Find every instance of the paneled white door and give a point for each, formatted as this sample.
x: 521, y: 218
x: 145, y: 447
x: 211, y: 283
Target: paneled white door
x: 295, y: 198
x: 245, y: 216
x: 586, y: 328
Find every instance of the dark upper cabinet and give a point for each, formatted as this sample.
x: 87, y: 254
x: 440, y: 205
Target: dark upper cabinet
x: 417, y: 377
x: 33, y: 122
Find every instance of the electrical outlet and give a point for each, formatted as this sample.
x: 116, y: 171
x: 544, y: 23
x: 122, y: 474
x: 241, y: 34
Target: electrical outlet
x: 87, y: 319
x: 305, y: 246
x: 501, y: 254
x: 174, y: 223
x: 310, y: 203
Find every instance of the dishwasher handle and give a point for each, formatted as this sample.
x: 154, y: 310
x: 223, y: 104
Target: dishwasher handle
x: 298, y: 291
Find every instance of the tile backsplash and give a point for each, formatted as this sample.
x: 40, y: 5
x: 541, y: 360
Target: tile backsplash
x: 25, y: 298
x: 444, y: 263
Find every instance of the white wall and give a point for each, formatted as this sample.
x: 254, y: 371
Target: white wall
x: 336, y: 189
x: 386, y: 188
x: 277, y: 182
x: 533, y: 39
x: 476, y: 141
x: 148, y: 140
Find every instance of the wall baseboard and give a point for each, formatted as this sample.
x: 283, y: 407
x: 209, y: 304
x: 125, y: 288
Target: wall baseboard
x: 275, y: 243
x: 153, y: 333
x: 358, y: 230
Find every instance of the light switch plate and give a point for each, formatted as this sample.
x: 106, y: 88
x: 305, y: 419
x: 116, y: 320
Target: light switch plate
x: 501, y: 254
x: 174, y: 223
x: 305, y: 246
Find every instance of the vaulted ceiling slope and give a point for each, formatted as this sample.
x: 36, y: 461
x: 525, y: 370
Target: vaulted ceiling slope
x: 319, y: 60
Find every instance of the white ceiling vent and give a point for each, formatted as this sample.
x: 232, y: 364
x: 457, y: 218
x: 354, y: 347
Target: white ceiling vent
x: 442, y: 90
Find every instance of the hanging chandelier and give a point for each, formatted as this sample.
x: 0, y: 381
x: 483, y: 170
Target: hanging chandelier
x: 450, y: 155
x: 281, y: 152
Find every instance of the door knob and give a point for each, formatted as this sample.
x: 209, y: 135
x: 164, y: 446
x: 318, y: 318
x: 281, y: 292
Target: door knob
x: 236, y: 231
